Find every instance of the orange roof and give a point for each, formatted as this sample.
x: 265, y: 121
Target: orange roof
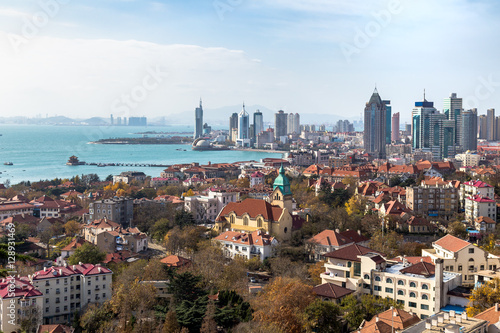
x: 75, y: 243
x: 485, y: 219
x: 491, y: 315
x: 399, y: 318
x: 329, y: 238
x: 175, y: 261
x: 253, y: 207
x: 57, y: 328
x: 451, y: 243
x: 257, y: 238
x: 313, y: 170
x: 421, y: 268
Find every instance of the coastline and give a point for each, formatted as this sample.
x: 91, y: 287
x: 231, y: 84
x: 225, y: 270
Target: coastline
x: 261, y: 150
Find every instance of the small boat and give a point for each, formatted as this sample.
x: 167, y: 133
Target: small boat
x: 8, y: 163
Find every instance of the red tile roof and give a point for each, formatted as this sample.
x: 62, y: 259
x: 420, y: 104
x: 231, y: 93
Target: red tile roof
x: 175, y: 261
x: 252, y: 207
x: 398, y: 318
x: 491, y: 315
x: 55, y: 329
x: 451, y: 243
x: 354, y: 236
x: 62, y: 271
x: 422, y: 268
x: 480, y: 198
x: 22, y: 288
x: 351, y: 252
x: 256, y: 238
x: 477, y: 183
x: 330, y: 238
x: 75, y: 243
x: 331, y: 290
x: 485, y: 219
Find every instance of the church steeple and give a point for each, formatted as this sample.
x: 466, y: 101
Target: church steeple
x: 282, y: 182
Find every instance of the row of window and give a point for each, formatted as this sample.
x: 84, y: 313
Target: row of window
x: 400, y: 282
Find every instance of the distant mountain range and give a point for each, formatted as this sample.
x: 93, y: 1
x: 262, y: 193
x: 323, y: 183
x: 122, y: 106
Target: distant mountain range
x: 214, y: 117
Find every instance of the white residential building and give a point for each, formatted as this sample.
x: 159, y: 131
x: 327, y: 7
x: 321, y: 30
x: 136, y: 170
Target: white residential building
x: 478, y: 205
x: 461, y: 257
x: 17, y: 296
x: 67, y: 289
x: 475, y: 187
x: 247, y: 245
x: 208, y: 207
x: 420, y: 288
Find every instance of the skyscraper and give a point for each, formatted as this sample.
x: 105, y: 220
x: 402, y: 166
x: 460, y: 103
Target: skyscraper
x: 452, y: 108
x: 374, y: 136
x: 280, y: 124
x: 388, y: 117
x: 296, y: 123
x: 290, y: 123
x: 483, y: 127
x: 198, y: 122
x: 490, y: 132
x: 233, y: 125
x: 258, y: 123
x: 243, y: 124
x: 469, y: 130
x: 421, y: 124
x: 395, y: 127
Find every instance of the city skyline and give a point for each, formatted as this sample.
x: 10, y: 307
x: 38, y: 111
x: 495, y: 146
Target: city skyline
x: 101, y: 58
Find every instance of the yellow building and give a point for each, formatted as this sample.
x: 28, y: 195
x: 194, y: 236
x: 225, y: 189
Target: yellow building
x: 273, y: 217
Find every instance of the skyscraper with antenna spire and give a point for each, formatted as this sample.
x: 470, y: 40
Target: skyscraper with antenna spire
x: 198, y: 122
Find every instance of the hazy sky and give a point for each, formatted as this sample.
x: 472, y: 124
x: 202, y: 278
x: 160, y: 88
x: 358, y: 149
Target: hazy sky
x: 154, y: 58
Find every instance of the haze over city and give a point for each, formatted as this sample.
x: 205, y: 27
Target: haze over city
x: 79, y: 59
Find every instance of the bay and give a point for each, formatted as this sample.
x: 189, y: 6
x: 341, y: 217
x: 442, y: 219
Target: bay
x: 40, y: 152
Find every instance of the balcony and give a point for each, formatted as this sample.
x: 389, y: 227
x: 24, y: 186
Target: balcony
x: 331, y: 277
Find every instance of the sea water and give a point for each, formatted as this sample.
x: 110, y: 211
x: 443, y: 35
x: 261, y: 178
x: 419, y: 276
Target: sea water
x: 41, y: 152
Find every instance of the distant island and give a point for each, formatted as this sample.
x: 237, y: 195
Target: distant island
x: 145, y: 141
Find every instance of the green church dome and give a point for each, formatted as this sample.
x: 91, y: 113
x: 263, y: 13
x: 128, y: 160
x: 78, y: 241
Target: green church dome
x: 282, y: 182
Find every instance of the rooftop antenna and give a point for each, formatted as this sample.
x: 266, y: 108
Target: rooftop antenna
x: 424, y: 94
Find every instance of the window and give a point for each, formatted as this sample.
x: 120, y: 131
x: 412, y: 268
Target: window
x: 377, y: 278
x: 103, y: 295
x: 366, y: 277
x: 471, y: 250
x: 413, y: 295
x: 413, y: 285
x: 104, y: 278
x: 46, y: 309
x: 471, y: 267
x: 259, y: 222
x: 401, y: 293
x: 424, y: 296
x: 459, y: 268
x: 401, y: 283
x: 349, y: 264
x: 400, y: 302
x: 481, y: 267
x: 46, y: 300
x: 231, y: 219
x: 389, y: 290
x: 424, y: 306
x: 377, y: 288
x: 347, y: 274
x: 388, y: 280
x: 425, y: 286
x: 46, y: 291
x: 285, y: 230
x: 88, y: 292
x: 245, y: 220
x: 412, y: 304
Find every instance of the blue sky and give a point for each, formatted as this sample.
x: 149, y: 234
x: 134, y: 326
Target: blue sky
x: 306, y: 56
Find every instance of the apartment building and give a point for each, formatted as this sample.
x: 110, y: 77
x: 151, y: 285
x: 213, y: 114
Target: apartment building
x: 419, y: 287
x: 433, y: 199
x: 461, y: 257
x: 67, y: 289
x: 247, y: 245
x: 17, y: 296
x: 475, y: 187
x: 47, y: 207
x: 207, y: 207
x: 128, y: 177
x: 110, y: 237
x: 8, y: 209
x: 118, y: 209
x: 478, y: 205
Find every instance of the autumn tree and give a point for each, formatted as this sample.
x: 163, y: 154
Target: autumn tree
x: 208, y: 324
x: 356, y: 310
x: 87, y: 254
x: 72, y: 228
x: 484, y: 297
x: 355, y: 206
x: 386, y: 242
x: 457, y: 229
x: 282, y: 303
x: 315, y: 270
x: 322, y: 317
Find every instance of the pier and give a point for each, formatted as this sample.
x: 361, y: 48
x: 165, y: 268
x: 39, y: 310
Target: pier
x: 135, y: 165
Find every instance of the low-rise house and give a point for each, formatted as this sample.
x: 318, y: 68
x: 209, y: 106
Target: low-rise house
x: 207, y: 208
x: 70, y: 249
x: 8, y: 209
x: 128, y: 177
x: 247, y: 245
x: 161, y: 181
x: 256, y: 178
x: 175, y: 261
x: 17, y: 297
x: 461, y: 257
x: 47, y: 207
x: 389, y: 320
x: 331, y: 292
x: 492, y: 316
x: 416, y: 225
x: 485, y: 224
x: 325, y: 242
x: 55, y: 329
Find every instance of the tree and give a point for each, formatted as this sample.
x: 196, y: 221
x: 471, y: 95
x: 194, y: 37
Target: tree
x: 184, y: 218
x: 388, y: 243
x: 72, y: 228
x: 355, y: 206
x: 30, y: 318
x: 322, y: 317
x: 243, y: 182
x: 315, y: 270
x: 171, y: 325
x: 282, y: 303
x: 88, y: 254
x: 484, y: 297
x: 97, y: 318
x: 356, y: 310
x: 185, y: 287
x: 457, y: 229
x: 190, y: 313
x: 208, y: 324
x: 231, y: 309
x: 160, y: 229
